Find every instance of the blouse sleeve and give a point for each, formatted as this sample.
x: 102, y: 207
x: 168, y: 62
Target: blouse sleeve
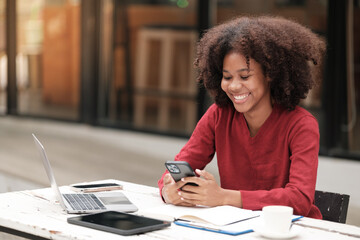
x: 200, y: 148
x: 299, y: 192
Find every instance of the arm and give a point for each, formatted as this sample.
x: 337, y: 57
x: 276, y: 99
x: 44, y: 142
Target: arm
x: 198, y: 152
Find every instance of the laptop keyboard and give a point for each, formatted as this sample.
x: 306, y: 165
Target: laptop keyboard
x: 84, y: 201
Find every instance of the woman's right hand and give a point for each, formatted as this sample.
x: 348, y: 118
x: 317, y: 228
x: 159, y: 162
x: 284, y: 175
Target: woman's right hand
x: 170, y: 191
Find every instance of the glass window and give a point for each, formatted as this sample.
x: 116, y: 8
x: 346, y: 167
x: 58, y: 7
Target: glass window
x: 354, y: 81
x: 48, y: 55
x: 3, y: 59
x: 153, y: 84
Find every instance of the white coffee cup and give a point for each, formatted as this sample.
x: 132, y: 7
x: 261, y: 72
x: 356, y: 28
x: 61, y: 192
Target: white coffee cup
x: 277, y: 219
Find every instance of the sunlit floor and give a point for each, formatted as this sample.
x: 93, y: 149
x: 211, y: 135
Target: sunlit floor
x: 82, y: 153
x: 79, y: 152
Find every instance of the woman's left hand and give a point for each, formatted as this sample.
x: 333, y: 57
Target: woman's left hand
x: 207, y: 193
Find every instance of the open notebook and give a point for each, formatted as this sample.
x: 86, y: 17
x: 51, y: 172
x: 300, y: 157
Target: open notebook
x: 222, y: 219
x: 219, y: 216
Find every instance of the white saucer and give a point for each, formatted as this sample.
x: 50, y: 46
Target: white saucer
x: 294, y: 231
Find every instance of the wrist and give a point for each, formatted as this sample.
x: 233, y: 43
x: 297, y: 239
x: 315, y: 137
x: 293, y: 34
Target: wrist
x: 163, y: 194
x: 232, y: 198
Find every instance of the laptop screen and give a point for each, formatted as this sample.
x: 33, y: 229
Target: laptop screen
x: 49, y: 171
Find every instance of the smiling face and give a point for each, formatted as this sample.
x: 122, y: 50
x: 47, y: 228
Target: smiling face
x: 246, y: 86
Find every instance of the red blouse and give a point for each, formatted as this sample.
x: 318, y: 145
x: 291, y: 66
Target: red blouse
x: 278, y: 166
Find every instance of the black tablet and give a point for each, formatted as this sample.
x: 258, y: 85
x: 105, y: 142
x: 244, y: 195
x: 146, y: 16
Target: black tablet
x: 119, y: 222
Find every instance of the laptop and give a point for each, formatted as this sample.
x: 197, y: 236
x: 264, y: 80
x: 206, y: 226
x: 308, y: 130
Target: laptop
x: 85, y: 202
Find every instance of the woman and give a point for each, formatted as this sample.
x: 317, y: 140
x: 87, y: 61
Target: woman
x: 257, y: 69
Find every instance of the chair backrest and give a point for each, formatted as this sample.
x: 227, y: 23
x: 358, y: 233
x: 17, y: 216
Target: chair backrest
x: 333, y: 206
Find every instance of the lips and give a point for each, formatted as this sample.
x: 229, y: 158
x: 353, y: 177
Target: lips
x: 241, y: 97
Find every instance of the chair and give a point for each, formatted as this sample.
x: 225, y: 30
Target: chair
x: 333, y: 206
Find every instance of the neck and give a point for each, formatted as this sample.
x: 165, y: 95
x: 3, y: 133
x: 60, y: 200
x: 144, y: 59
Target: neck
x: 256, y: 119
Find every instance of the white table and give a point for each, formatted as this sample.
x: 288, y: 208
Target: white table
x: 35, y: 214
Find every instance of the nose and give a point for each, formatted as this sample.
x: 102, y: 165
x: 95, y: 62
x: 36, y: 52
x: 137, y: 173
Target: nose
x: 235, y: 85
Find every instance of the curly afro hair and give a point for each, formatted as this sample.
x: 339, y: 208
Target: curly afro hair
x: 286, y: 50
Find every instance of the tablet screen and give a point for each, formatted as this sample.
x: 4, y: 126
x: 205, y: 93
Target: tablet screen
x: 118, y: 222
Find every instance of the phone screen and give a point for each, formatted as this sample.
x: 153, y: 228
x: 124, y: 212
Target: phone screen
x: 118, y: 222
x: 179, y: 170
x: 96, y: 185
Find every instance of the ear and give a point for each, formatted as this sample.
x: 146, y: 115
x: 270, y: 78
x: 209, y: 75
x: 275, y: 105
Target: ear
x: 268, y: 79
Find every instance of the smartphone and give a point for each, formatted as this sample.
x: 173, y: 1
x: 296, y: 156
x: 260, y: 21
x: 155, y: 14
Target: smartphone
x: 119, y: 222
x: 179, y: 170
x: 98, y: 187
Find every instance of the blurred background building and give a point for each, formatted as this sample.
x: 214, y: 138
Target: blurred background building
x: 128, y: 65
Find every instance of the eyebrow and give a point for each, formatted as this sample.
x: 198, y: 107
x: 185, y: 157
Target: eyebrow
x: 240, y: 70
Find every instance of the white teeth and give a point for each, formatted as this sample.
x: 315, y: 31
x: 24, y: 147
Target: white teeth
x: 241, y: 97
